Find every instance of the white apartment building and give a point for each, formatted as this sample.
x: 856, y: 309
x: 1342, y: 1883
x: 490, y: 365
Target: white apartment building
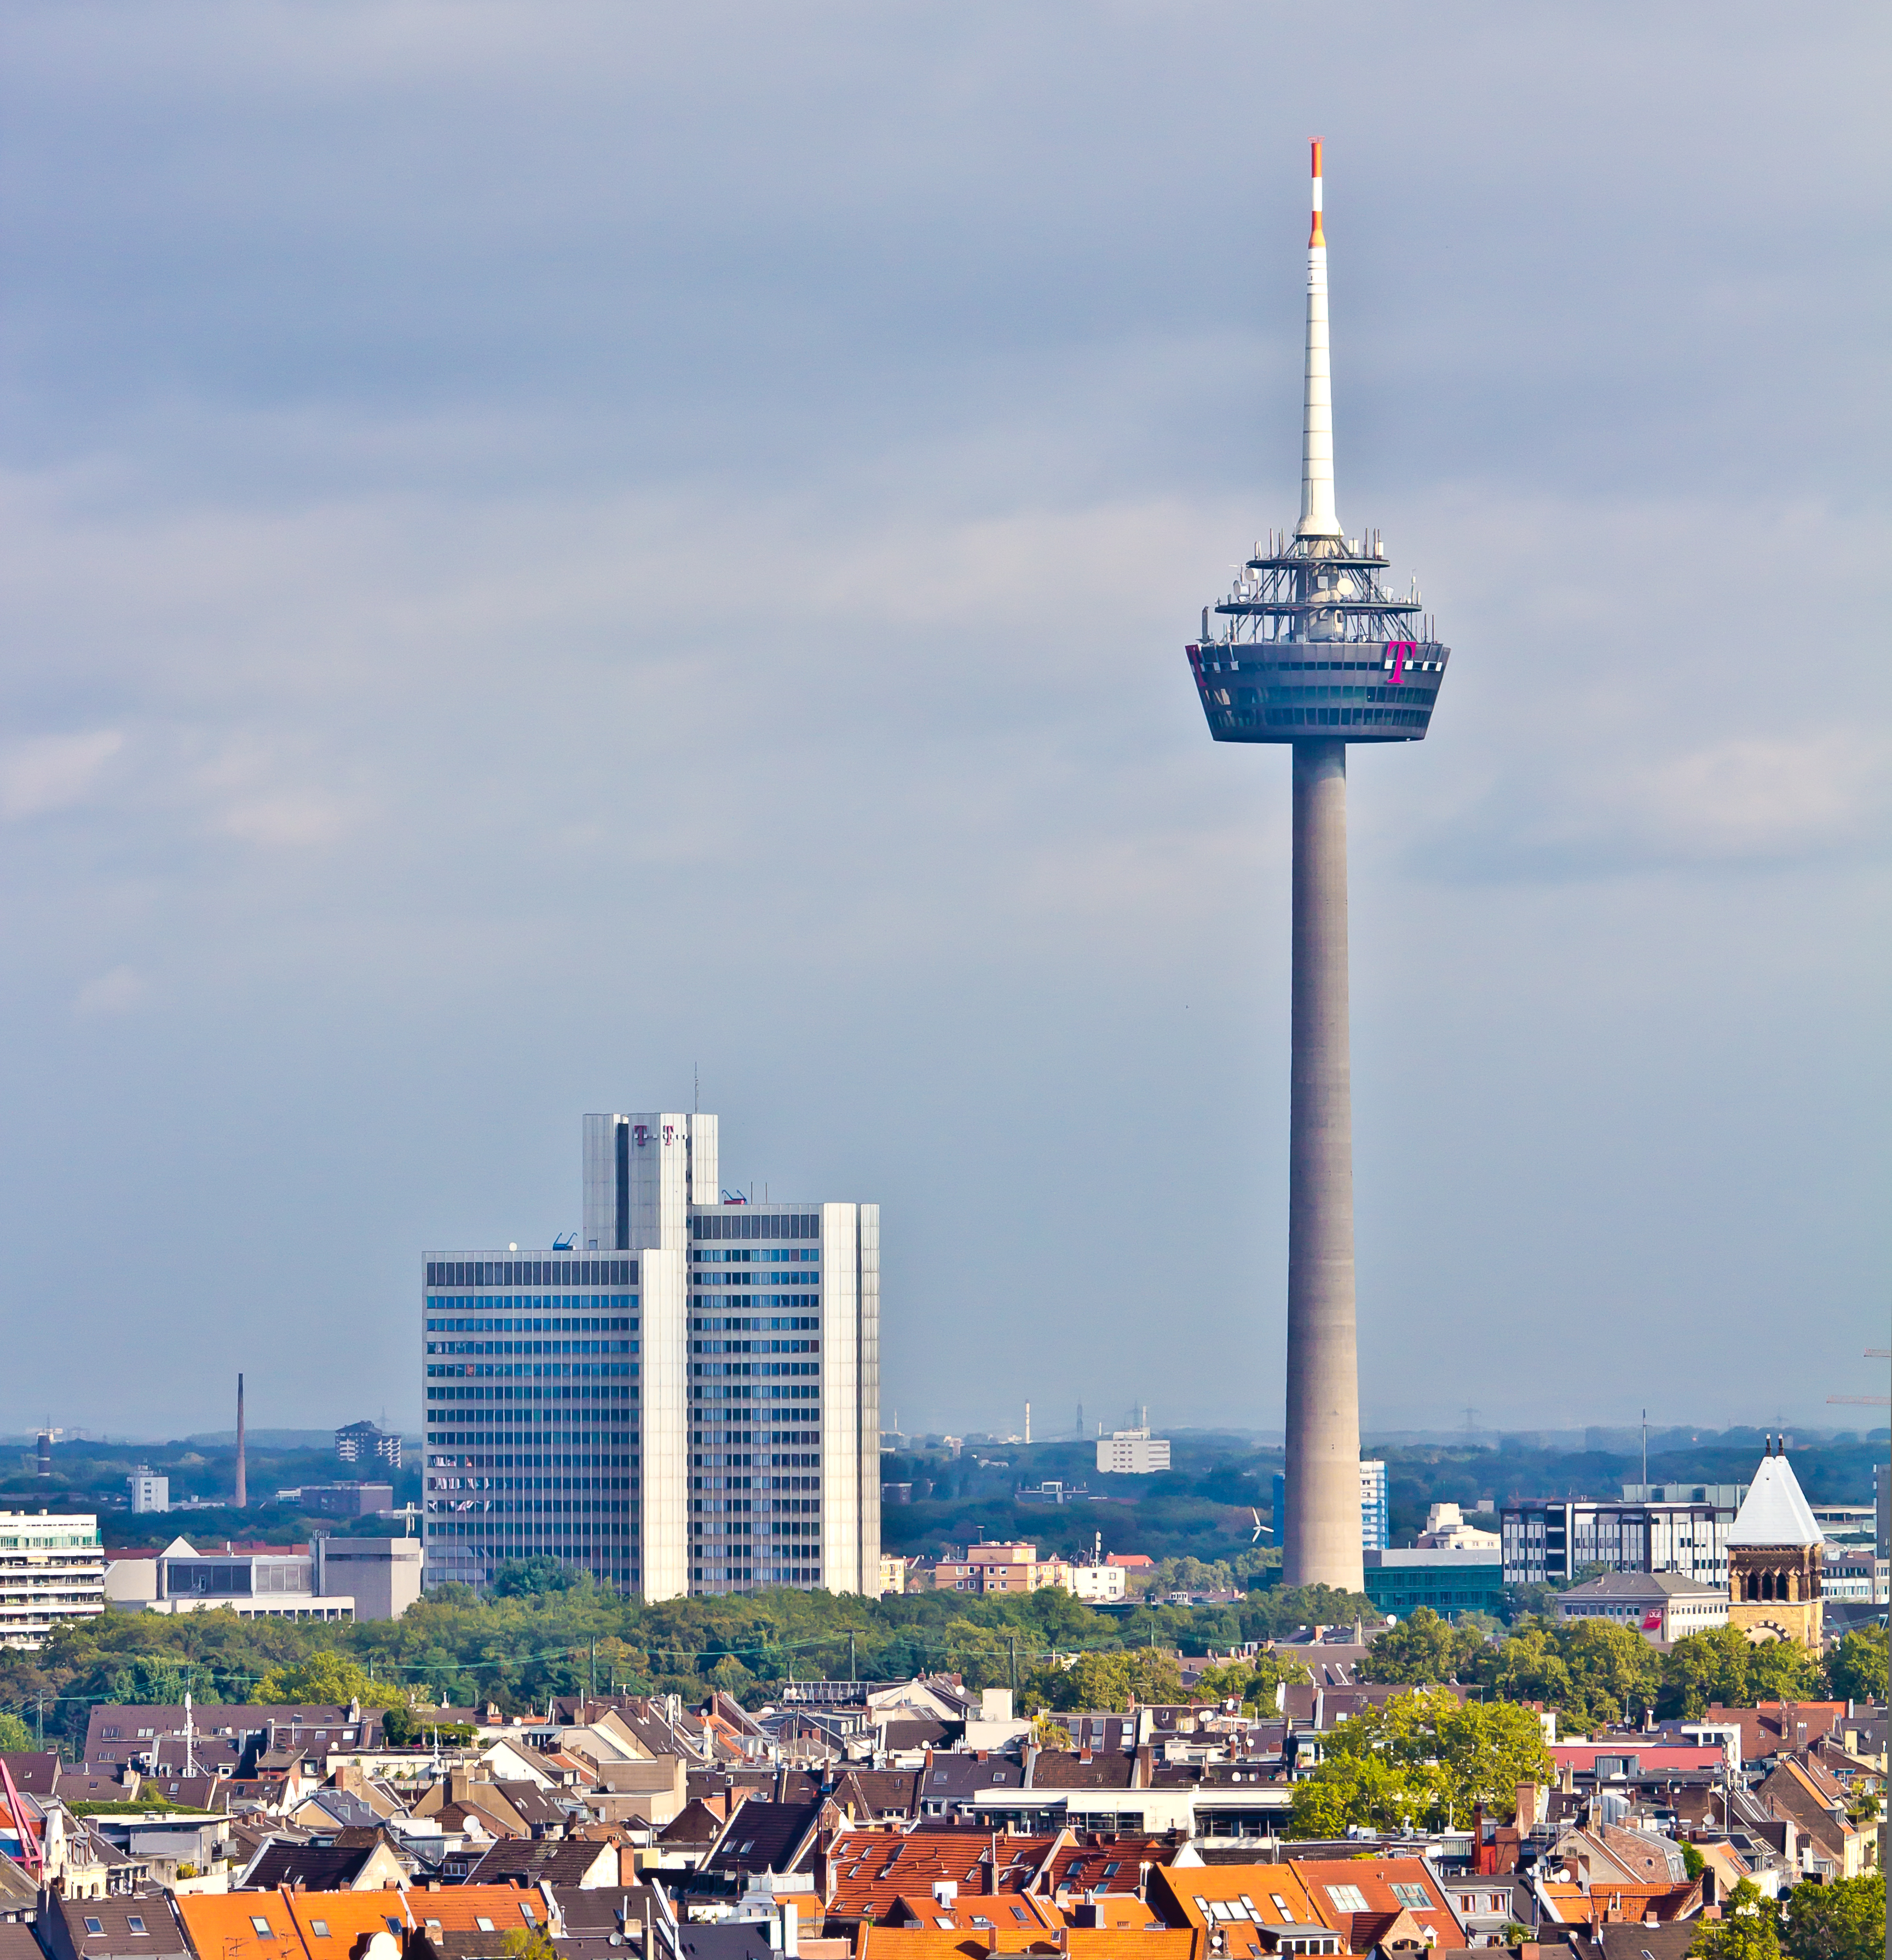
x: 52, y: 1568
x: 695, y: 1405
x: 1132, y: 1452
x: 149, y: 1493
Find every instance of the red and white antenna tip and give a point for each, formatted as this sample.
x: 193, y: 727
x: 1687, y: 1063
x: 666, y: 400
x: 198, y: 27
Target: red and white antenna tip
x: 1316, y: 237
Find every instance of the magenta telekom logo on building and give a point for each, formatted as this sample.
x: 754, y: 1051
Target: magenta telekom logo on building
x: 1401, y: 651
x: 642, y: 1131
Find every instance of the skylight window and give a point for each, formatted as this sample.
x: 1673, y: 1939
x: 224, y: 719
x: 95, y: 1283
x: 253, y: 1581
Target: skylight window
x: 135, y: 1922
x: 261, y: 1925
x: 319, y: 1927
x: 1347, y: 1898
x: 1417, y: 1897
x: 95, y: 1925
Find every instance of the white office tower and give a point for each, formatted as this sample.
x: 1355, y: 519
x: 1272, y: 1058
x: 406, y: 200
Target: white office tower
x: 696, y: 1407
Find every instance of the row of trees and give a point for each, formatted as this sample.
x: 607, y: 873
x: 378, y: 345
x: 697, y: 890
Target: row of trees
x: 1596, y: 1672
x: 543, y: 1632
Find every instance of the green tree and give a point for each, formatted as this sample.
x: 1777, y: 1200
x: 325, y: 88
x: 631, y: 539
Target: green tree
x: 1749, y: 1929
x: 1855, y: 1669
x: 1842, y: 1921
x: 1422, y: 1651
x: 1423, y: 1758
x: 1705, y: 1668
x: 327, y: 1677
x: 1365, y: 1789
x: 1614, y: 1674
x: 521, y: 1578
x: 14, y: 1733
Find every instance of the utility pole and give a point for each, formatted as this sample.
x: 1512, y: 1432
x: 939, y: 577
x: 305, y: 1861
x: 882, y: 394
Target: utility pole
x: 1011, y: 1648
x: 852, y: 1674
x: 594, y: 1670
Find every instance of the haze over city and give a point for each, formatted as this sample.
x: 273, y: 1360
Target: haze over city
x: 560, y: 556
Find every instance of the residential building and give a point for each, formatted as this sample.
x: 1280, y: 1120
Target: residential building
x: 1448, y: 1582
x: 1662, y: 1606
x: 364, y: 1442
x: 1132, y: 1452
x: 149, y: 1493
x: 1774, y: 1553
x: 1011, y: 1568
x: 1375, y: 1514
x: 1099, y: 1585
x: 52, y: 1568
x: 705, y: 1418
x: 1548, y: 1541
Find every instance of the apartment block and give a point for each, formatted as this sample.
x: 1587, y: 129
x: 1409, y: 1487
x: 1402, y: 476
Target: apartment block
x: 689, y: 1404
x: 52, y: 1568
x: 1132, y: 1452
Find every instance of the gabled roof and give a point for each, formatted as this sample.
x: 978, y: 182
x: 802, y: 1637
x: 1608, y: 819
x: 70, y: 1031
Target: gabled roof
x: 1775, y: 1511
x: 762, y: 1836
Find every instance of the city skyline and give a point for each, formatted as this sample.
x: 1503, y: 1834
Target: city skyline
x: 384, y: 775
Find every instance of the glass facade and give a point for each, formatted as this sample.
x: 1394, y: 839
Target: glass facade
x: 755, y: 1400
x: 532, y: 1415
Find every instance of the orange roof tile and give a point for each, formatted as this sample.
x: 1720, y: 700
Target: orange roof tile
x: 322, y: 1925
x: 1381, y: 1887
x: 868, y: 1870
x: 1274, y: 1892
x: 908, y: 1942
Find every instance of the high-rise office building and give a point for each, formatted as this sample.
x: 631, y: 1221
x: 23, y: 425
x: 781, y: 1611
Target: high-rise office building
x: 687, y: 1401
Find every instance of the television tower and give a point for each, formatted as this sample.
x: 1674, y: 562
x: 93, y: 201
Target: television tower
x: 1310, y: 649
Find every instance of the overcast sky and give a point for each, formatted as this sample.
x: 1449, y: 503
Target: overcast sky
x: 549, y: 547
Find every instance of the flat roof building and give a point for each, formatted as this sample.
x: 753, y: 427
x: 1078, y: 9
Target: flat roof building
x: 52, y: 1568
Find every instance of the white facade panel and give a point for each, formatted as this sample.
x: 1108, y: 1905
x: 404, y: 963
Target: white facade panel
x: 704, y: 1169
x: 867, y: 1416
x: 840, y: 1359
x: 666, y: 1434
x: 598, y: 1229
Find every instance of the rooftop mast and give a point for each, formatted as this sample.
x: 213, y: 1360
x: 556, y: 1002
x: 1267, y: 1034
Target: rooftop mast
x: 1317, y: 519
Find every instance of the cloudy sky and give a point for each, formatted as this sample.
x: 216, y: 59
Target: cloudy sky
x: 546, y: 549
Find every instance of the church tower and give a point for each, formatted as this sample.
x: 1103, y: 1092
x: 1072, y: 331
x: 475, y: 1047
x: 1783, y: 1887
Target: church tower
x: 1773, y: 1559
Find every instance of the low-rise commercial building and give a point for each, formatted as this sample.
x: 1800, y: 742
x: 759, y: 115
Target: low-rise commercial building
x: 1662, y: 1606
x: 1448, y: 1582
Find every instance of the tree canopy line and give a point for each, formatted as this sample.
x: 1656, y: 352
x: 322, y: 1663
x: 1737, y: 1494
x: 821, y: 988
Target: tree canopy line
x: 547, y: 1630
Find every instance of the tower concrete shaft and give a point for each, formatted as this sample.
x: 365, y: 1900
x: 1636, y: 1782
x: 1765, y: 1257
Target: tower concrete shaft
x: 1322, y: 1542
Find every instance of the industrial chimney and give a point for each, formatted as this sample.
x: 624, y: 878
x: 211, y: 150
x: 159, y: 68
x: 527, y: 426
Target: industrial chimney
x: 243, y: 1483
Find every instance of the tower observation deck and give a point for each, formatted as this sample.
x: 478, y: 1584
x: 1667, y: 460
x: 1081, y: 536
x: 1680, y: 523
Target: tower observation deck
x: 1311, y: 649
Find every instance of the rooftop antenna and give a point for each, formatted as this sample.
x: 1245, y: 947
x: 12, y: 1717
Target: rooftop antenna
x: 1645, y: 1456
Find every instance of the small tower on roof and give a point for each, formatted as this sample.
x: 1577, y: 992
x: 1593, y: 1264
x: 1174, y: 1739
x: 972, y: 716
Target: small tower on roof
x: 1773, y: 1558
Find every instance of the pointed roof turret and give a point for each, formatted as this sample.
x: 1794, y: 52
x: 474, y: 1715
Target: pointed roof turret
x: 1775, y: 1511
